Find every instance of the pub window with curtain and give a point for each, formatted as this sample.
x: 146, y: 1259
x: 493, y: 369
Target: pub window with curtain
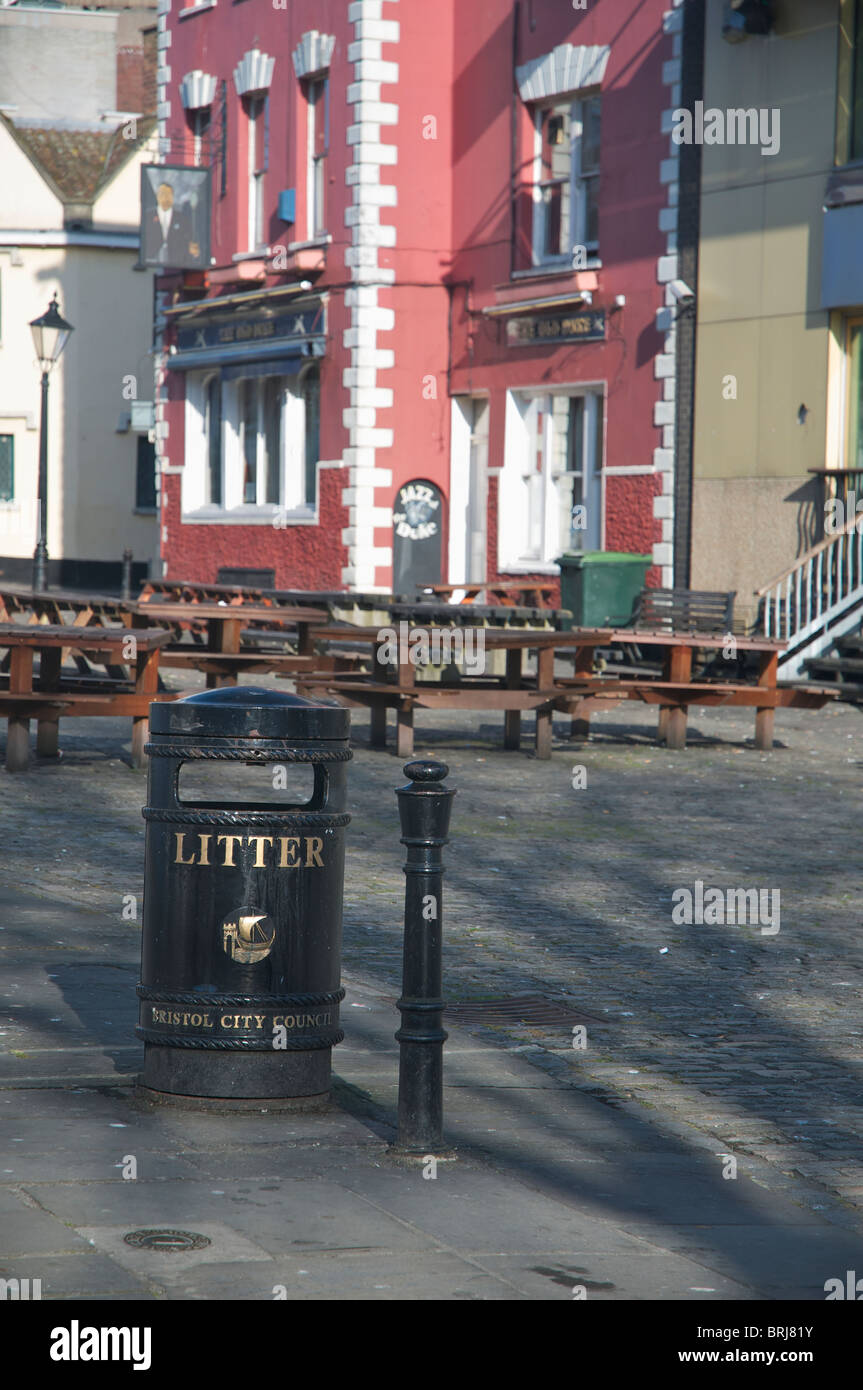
x: 551, y: 482
x: 261, y: 439
x: 253, y: 442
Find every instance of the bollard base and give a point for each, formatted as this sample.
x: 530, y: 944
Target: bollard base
x: 413, y: 1156
x: 228, y: 1076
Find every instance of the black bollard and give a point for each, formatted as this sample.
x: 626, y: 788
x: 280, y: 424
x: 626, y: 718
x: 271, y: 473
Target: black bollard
x: 127, y: 574
x: 424, y: 810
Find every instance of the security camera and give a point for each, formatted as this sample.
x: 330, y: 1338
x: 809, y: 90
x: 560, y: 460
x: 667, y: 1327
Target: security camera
x: 681, y: 292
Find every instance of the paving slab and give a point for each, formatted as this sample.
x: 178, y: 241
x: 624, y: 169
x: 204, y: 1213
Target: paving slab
x: 82, y: 1275
x: 27, y: 1228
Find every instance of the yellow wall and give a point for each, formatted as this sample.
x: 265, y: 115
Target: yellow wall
x: 754, y: 504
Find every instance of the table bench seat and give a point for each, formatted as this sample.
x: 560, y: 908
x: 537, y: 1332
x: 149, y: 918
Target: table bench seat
x: 380, y: 696
x: 580, y: 697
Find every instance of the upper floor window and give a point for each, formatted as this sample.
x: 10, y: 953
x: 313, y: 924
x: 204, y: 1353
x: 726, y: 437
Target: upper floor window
x: 197, y: 90
x: 259, y: 140
x: 318, y: 105
x: 566, y: 180
x: 849, y: 113
x: 200, y: 123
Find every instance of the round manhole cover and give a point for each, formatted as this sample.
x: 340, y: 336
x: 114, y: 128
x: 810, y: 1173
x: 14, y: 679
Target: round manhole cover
x: 171, y: 1242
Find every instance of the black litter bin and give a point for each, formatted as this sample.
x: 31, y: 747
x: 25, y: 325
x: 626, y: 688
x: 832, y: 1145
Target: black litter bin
x: 241, y: 951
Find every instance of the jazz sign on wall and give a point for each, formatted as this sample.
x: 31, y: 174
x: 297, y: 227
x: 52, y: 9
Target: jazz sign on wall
x: 417, y: 533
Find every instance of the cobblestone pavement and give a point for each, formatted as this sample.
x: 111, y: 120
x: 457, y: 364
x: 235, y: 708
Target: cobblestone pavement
x: 755, y: 1040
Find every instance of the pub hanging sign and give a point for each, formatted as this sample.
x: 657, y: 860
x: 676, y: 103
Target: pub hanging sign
x: 581, y: 326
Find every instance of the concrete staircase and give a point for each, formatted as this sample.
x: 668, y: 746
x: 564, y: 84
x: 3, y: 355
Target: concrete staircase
x: 842, y: 666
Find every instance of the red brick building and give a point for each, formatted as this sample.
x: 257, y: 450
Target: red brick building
x: 441, y: 243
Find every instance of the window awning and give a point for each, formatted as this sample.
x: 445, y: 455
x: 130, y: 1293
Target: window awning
x: 530, y: 306
x: 244, y: 360
x: 274, y: 366
x: 841, y: 264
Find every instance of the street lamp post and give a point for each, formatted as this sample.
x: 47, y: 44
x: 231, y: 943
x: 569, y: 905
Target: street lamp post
x: 50, y: 334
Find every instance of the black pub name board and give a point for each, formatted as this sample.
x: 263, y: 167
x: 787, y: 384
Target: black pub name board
x: 586, y: 325
x: 300, y: 324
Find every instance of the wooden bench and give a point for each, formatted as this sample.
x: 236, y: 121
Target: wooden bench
x: 684, y: 610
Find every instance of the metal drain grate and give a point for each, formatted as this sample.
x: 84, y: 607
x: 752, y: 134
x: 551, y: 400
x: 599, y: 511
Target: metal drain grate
x: 533, y: 1009
x: 168, y: 1242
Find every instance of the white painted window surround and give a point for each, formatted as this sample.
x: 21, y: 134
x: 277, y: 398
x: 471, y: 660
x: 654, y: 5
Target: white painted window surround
x: 567, y: 76
x: 545, y: 469
x: 568, y: 68
x: 468, y: 489
x: 293, y: 508
x: 196, y: 8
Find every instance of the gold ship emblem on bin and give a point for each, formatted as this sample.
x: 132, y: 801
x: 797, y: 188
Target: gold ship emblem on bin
x: 247, y: 936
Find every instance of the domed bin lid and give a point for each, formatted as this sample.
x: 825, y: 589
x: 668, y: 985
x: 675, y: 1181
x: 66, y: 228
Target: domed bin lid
x: 248, y: 711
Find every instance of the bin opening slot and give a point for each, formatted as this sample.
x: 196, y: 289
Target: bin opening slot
x: 251, y: 786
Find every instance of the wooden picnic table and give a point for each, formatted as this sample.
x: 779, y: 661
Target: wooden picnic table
x: 676, y: 690
x: 221, y: 657
x: 511, y: 694
x: 578, y: 695
x: 194, y: 591
x: 55, y: 697
x: 680, y: 649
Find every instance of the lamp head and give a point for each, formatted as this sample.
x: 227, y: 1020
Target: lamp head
x: 51, y: 333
